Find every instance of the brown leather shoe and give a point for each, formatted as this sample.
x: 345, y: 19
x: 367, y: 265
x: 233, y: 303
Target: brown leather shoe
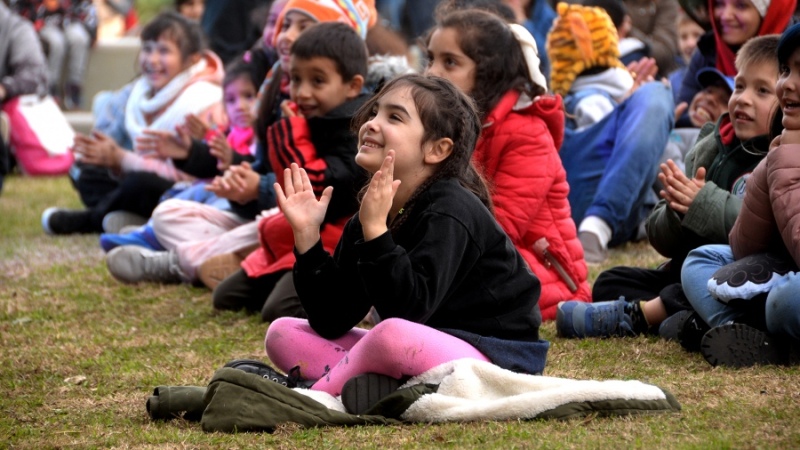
x: 215, y: 269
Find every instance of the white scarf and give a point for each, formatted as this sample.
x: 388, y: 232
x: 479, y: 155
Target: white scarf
x: 179, y: 99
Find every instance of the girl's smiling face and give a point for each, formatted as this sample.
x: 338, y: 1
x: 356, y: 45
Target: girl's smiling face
x: 160, y: 61
x: 272, y: 21
x: 447, y: 60
x: 240, y: 98
x: 737, y: 20
x: 788, y: 90
x: 294, y: 23
x: 393, y: 124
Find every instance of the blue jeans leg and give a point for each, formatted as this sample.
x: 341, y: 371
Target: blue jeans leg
x: 783, y: 308
x: 700, y: 265
x: 640, y: 130
x: 584, y: 155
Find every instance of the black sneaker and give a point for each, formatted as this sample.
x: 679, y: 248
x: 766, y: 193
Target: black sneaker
x: 692, y: 332
x: 671, y: 327
x: 740, y: 345
x: 67, y: 221
x: 263, y: 370
x: 362, y: 392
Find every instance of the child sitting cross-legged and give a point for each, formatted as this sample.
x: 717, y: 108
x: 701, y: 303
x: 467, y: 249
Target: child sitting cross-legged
x: 748, y: 291
x: 698, y: 207
x: 424, y: 250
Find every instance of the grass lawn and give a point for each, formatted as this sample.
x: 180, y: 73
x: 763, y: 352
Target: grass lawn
x: 82, y: 352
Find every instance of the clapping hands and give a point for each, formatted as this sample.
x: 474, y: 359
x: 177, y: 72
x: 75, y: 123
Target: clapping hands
x: 679, y: 190
x: 238, y: 183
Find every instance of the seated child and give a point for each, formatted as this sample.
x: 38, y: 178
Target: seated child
x: 205, y: 158
x: 707, y: 106
x: 328, y: 66
x: 693, y: 211
x: 179, y: 77
x: 617, y: 129
x: 758, y: 329
x: 249, y: 189
x: 518, y: 149
x: 424, y: 250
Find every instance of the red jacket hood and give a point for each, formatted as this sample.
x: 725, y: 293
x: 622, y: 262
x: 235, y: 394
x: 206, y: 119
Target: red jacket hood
x: 548, y: 108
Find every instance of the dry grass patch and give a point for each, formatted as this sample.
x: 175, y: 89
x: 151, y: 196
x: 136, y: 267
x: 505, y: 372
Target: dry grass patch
x: 82, y: 352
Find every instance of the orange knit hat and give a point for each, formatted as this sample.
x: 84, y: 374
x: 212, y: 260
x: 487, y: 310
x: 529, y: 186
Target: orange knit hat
x: 359, y: 14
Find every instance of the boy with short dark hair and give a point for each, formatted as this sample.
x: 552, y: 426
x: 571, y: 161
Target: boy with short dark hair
x: 693, y: 212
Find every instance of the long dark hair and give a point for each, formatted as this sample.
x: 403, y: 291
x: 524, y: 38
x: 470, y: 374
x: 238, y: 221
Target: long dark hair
x: 445, y: 112
x: 499, y: 62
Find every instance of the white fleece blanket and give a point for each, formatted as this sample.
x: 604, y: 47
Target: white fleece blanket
x: 471, y: 390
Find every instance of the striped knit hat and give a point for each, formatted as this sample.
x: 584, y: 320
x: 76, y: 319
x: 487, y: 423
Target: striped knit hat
x: 582, y: 37
x: 359, y: 14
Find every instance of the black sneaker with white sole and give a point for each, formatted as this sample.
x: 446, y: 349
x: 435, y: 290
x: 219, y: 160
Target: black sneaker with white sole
x: 740, y: 345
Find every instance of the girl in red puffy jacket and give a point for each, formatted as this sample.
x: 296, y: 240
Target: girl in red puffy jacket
x: 498, y: 65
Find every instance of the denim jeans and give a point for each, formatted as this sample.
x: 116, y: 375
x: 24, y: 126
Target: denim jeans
x: 612, y: 164
x: 783, y: 302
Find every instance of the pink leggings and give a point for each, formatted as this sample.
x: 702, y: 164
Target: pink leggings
x: 395, y: 347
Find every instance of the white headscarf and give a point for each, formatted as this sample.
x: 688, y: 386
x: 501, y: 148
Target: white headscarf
x: 761, y: 6
x: 531, y: 53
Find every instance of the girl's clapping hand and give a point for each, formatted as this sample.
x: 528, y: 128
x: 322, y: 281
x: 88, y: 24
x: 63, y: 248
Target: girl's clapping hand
x: 300, y: 206
x: 377, y: 202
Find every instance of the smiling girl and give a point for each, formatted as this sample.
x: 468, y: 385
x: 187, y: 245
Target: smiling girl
x: 178, y: 77
x: 424, y: 250
x: 734, y: 22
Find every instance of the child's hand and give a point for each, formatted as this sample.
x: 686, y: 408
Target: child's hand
x: 643, y: 71
x: 98, y: 149
x: 680, y: 108
x: 680, y: 191
x: 238, y: 183
x: 789, y: 137
x: 220, y: 149
x: 377, y: 201
x: 197, y: 128
x: 289, y: 109
x: 300, y: 206
x: 166, y: 144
